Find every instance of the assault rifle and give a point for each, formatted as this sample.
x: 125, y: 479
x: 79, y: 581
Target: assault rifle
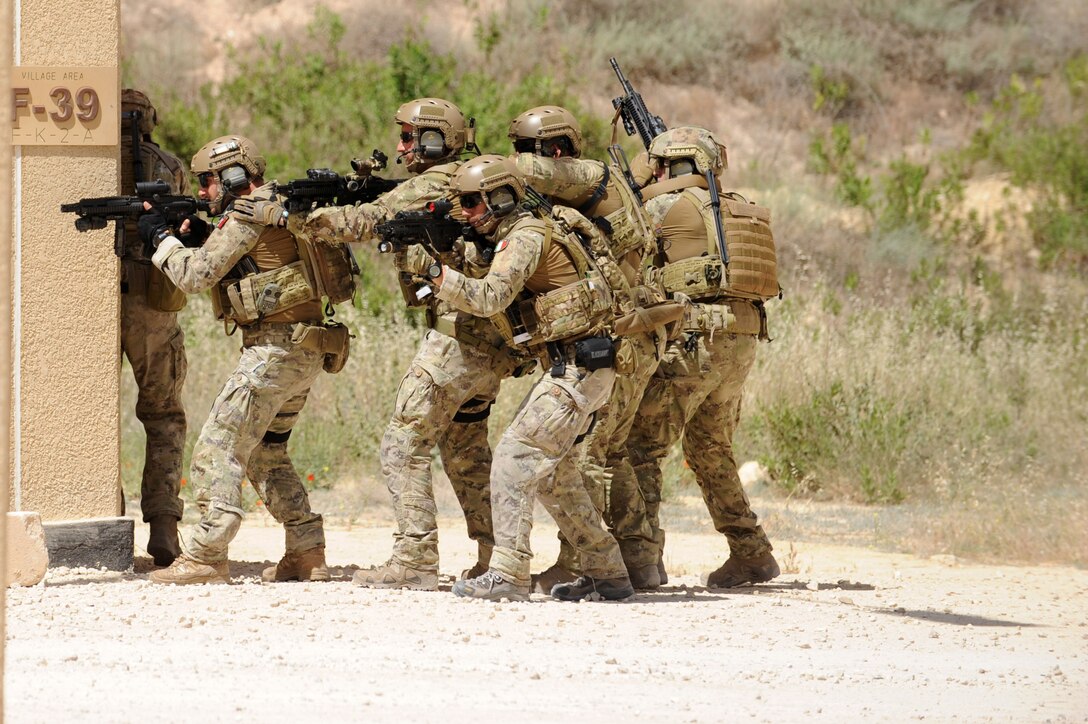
x: 325, y: 187
x: 432, y: 227
x: 96, y: 213
x: 632, y: 109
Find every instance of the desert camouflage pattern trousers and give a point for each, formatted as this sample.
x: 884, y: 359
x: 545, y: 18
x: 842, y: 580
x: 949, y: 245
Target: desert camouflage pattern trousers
x: 155, y: 347
x: 602, y: 459
x: 246, y: 435
x: 445, y: 375
x: 536, y: 459
x: 696, y: 396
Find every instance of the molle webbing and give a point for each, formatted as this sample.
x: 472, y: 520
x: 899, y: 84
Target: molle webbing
x: 752, y: 272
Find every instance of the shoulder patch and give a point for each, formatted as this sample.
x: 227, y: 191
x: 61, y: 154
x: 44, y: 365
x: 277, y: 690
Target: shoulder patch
x: 222, y: 221
x: 502, y: 245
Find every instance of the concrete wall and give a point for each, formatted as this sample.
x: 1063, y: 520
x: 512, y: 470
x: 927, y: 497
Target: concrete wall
x: 66, y: 446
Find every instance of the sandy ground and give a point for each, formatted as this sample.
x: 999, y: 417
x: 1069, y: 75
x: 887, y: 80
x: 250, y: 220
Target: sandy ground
x: 850, y: 634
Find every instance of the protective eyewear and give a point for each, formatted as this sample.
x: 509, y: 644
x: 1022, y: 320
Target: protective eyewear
x: 471, y: 201
x: 205, y: 178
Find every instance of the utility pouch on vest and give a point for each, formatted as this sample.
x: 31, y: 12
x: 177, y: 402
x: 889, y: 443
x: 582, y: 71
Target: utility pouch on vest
x: 332, y: 340
x: 334, y: 268
x: 570, y: 310
x: 699, y: 277
x: 162, y: 294
x: 259, y: 295
x: 595, y: 353
x: 631, y: 225
x: 651, y: 310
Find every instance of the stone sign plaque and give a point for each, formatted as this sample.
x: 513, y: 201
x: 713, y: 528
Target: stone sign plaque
x: 64, y: 106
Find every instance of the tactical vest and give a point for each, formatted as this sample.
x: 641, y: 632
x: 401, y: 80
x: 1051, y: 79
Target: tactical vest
x: 543, y: 313
x: 284, y: 279
x: 752, y: 270
x: 155, y: 165
x: 624, y: 214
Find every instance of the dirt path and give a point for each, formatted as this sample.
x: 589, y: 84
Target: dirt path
x: 854, y: 635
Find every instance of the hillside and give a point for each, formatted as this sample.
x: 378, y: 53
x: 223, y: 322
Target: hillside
x: 926, y: 163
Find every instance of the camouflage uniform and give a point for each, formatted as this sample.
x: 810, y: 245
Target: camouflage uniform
x: 459, y: 364
x: 603, y: 465
x: 695, y: 395
x: 155, y: 346
x: 247, y: 428
x: 535, y: 454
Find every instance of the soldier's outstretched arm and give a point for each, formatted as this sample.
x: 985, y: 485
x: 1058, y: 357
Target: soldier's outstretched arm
x: 516, y: 258
x: 356, y: 223
x: 197, y: 270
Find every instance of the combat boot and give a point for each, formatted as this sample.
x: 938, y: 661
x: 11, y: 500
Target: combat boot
x: 491, y: 587
x: 162, y: 544
x: 305, y: 566
x: 544, y: 581
x: 396, y: 575
x: 644, y: 578
x: 185, y: 570
x: 608, y: 589
x: 661, y: 574
x: 477, y: 570
x: 737, y: 571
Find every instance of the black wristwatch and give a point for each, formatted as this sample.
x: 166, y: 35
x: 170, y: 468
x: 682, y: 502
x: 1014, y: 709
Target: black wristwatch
x: 434, y: 270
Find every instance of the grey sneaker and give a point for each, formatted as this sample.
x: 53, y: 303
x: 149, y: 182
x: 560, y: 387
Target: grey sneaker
x: 594, y: 589
x: 394, y: 575
x: 490, y: 587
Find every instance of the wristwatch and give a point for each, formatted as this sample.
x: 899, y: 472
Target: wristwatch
x: 434, y: 270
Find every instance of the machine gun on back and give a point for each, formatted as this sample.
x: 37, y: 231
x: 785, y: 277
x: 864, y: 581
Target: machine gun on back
x: 325, y: 187
x: 632, y: 109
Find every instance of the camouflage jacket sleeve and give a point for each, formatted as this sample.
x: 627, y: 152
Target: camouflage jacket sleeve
x: 196, y: 270
x: 516, y: 258
x: 356, y: 223
x: 571, y: 180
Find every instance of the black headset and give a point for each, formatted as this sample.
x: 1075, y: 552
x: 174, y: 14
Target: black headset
x: 432, y: 143
x: 235, y: 179
x: 502, y: 201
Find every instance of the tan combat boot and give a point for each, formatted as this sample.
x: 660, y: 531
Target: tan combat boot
x: 396, y: 575
x: 544, y: 581
x: 185, y: 570
x: 477, y: 570
x: 737, y: 571
x: 305, y: 566
x: 162, y: 544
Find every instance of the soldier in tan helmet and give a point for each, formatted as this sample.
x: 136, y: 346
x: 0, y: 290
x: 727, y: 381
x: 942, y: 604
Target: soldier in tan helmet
x: 549, y: 299
x: 150, y: 335
x: 695, y: 394
x: 251, y: 265
x: 446, y: 395
x: 548, y: 145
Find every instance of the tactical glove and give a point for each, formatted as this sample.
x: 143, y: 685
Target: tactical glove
x: 198, y: 232
x: 152, y: 229
x: 260, y: 211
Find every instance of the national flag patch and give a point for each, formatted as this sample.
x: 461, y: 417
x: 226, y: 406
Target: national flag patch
x: 222, y: 221
x: 501, y: 245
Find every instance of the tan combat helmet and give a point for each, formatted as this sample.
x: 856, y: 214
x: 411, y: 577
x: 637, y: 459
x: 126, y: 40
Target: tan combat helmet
x: 235, y: 160
x: 688, y: 143
x: 136, y: 105
x: 497, y: 180
x: 532, y: 129
x: 438, y: 131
